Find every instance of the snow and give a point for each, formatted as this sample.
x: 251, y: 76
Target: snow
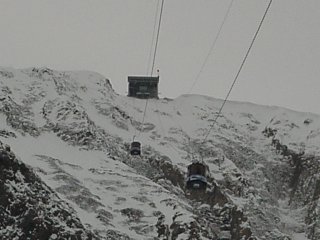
x: 177, y: 127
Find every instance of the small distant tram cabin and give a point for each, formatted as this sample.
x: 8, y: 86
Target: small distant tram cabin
x: 143, y: 87
x: 135, y: 148
x: 197, y: 176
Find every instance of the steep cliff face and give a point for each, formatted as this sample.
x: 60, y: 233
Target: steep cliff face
x: 75, y: 131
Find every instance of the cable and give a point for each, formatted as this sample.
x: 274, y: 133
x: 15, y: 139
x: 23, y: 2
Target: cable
x: 154, y: 57
x: 238, y: 73
x: 134, y: 117
x: 157, y: 39
x: 144, y: 115
x: 153, y: 35
x: 212, y: 46
x: 153, y: 62
x: 159, y: 118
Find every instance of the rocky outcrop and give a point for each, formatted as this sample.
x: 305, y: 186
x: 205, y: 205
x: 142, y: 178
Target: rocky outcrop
x: 31, y: 210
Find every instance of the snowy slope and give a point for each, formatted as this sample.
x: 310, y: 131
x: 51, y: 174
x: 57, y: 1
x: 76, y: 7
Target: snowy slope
x: 75, y: 131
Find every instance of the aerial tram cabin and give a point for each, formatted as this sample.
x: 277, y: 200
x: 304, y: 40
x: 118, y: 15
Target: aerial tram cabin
x: 143, y: 87
x: 197, y: 176
x: 135, y: 148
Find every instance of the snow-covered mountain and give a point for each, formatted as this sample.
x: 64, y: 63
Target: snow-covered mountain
x: 71, y: 132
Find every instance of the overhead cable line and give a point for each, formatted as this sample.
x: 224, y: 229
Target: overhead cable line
x: 144, y: 115
x: 151, y: 73
x: 212, y: 46
x: 153, y: 62
x: 134, y: 117
x: 157, y: 39
x: 239, y: 71
x: 153, y: 36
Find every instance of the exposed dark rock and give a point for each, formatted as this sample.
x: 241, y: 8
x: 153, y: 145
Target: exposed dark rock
x: 132, y: 214
x: 31, y: 210
x: 6, y: 134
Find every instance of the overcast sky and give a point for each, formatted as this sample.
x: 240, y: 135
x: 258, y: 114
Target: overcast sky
x: 113, y: 37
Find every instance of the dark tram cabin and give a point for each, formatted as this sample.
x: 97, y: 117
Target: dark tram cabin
x: 143, y: 87
x: 135, y: 148
x: 197, y: 176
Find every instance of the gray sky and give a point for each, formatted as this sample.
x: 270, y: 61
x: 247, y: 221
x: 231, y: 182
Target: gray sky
x: 113, y: 37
